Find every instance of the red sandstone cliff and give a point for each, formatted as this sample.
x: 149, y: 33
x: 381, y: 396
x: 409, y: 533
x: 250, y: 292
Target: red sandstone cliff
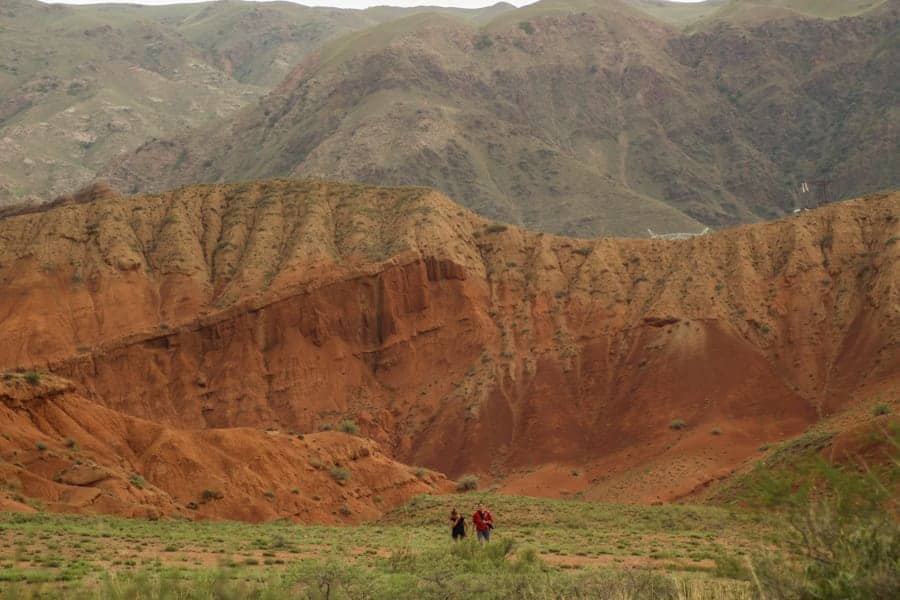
x: 458, y: 344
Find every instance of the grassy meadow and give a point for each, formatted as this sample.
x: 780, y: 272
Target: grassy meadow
x: 796, y: 526
x: 541, y: 548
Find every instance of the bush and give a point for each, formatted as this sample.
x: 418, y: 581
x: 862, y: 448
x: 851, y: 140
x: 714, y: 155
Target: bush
x: 339, y: 474
x: 467, y: 483
x: 41, y: 446
x: 526, y: 27
x: 843, y: 532
x: 33, y: 377
x: 716, y: 431
x: 676, y: 424
x: 483, y: 42
x: 495, y: 228
x: 349, y: 426
x: 210, y: 495
x: 137, y: 481
x: 881, y: 410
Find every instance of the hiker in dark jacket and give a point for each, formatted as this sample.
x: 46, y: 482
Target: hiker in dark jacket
x: 458, y: 525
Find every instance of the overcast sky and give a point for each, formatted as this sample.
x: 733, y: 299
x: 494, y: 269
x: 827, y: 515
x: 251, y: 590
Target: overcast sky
x: 336, y: 3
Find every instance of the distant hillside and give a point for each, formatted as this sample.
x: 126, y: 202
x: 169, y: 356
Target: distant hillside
x: 81, y: 85
x: 578, y: 117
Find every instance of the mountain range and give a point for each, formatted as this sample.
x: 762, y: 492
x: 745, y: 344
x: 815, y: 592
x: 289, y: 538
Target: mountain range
x: 574, y: 117
x: 579, y: 118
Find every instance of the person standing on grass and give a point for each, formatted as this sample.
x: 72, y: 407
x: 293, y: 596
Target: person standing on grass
x: 484, y: 522
x: 458, y: 525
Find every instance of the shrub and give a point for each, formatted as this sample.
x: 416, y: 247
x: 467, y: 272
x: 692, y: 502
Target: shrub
x: 467, y: 483
x: 495, y: 228
x: 210, y: 495
x: 349, y: 426
x: 295, y: 491
x: 33, y: 377
x: 841, y: 527
x: 41, y: 446
x: 483, y: 42
x: 71, y: 443
x: 419, y: 472
x: 881, y: 410
x: 137, y: 481
x: 345, y: 510
x: 676, y: 424
x: 526, y: 27
x: 269, y: 494
x: 716, y: 431
x: 339, y: 474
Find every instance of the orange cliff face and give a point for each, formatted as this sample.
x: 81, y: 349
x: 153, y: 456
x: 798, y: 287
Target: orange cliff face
x: 457, y: 344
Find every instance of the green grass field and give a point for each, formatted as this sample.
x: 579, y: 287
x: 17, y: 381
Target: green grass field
x: 541, y: 548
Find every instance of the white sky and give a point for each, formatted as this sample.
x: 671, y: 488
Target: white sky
x: 334, y: 3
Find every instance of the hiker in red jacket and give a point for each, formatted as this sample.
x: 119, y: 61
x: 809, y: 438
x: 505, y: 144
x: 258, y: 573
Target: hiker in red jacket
x: 484, y: 522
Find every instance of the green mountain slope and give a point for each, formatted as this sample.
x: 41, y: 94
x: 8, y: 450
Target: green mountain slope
x: 80, y: 85
x: 574, y: 117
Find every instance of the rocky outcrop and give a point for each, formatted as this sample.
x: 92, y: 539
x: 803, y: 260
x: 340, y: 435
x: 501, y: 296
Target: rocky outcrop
x: 455, y: 343
x: 62, y: 452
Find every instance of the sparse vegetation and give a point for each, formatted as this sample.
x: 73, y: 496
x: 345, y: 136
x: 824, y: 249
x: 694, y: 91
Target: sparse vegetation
x: 137, y: 481
x: 843, y: 534
x: 349, y: 426
x: 544, y: 549
x: 33, y: 378
x: 467, y: 483
x: 339, y: 474
x: 483, y: 42
x: 210, y: 495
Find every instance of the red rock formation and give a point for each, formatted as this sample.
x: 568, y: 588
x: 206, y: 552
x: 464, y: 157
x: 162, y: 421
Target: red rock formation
x: 457, y: 345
